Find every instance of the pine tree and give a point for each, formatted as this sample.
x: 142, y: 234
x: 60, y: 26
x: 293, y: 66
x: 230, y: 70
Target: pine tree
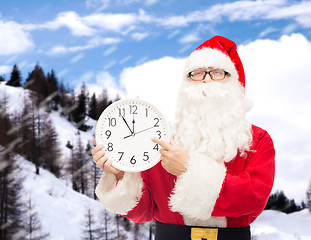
x: 278, y: 201
x: 5, y: 123
x: 2, y: 78
x: 37, y: 83
x: 50, y: 149
x: 32, y: 128
x: 15, y: 79
x: 52, y: 90
x: 103, y: 103
x: 72, y: 167
x: 79, y: 167
x: 93, y: 107
x: 79, y: 113
x: 26, y: 131
x: 10, y: 199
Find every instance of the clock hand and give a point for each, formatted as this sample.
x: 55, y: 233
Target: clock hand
x: 133, y: 123
x: 127, y: 126
x: 139, y: 132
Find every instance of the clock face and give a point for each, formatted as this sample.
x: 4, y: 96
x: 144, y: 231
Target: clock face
x: 125, y: 128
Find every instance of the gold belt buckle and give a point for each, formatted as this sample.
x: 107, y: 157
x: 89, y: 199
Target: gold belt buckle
x: 205, y: 233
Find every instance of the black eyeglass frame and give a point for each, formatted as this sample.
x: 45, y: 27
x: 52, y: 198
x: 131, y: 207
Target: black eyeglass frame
x: 208, y: 72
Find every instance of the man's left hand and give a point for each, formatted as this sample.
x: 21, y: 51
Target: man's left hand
x: 174, y: 159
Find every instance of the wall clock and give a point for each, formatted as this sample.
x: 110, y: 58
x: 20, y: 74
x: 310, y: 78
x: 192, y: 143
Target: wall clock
x: 125, y: 128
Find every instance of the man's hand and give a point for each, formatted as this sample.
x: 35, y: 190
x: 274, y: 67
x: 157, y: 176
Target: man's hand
x: 103, y: 162
x: 174, y: 159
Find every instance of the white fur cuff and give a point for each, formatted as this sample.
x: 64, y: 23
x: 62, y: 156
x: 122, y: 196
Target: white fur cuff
x: 197, y: 190
x: 122, y: 197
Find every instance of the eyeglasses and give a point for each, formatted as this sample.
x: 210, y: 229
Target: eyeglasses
x: 215, y: 74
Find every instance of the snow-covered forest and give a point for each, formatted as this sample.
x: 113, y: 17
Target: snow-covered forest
x: 48, y: 178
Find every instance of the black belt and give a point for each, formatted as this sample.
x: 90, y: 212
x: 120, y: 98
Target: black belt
x: 182, y: 232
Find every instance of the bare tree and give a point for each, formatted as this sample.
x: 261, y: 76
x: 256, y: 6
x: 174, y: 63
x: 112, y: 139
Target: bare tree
x: 32, y: 225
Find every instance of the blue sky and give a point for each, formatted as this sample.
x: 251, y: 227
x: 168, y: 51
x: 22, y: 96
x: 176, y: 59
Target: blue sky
x: 82, y: 38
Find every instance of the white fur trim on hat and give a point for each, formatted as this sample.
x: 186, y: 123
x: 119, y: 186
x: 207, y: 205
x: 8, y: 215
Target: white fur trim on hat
x: 119, y: 197
x: 209, y: 57
x: 197, y: 190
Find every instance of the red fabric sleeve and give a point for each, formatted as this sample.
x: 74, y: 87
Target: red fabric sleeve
x: 143, y: 211
x: 247, y: 193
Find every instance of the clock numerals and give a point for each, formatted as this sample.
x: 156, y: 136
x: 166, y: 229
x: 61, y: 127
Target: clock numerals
x: 122, y: 153
x: 108, y: 133
x: 146, y: 155
x: 157, y: 122
x: 133, y: 160
x: 133, y: 109
x: 110, y: 147
x: 125, y: 129
x: 112, y: 122
x: 156, y: 147
x: 121, y: 112
x: 159, y: 133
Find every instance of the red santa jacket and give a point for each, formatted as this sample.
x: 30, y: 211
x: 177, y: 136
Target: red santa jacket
x: 235, y: 199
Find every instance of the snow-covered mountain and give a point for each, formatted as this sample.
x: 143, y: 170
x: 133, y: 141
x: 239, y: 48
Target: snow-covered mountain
x: 62, y: 211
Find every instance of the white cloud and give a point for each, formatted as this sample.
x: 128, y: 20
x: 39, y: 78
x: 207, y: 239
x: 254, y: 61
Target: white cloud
x: 108, y: 21
x: 189, y: 38
x: 125, y: 59
x: 104, y: 80
x: 68, y: 19
x: 267, y: 31
x: 94, y: 23
x: 110, y: 50
x: 102, y: 4
x: 77, y: 58
x: 301, y: 12
x: 139, y: 36
x: 151, y: 2
x: 62, y: 73
x: 57, y: 50
x: 94, y: 42
x: 245, y: 11
x: 277, y: 74
x: 173, y: 34
x: 155, y: 81
x: 86, y: 77
x: 13, y: 39
x: 4, y: 69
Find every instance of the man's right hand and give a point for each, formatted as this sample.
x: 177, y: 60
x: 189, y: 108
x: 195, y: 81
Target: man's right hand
x: 103, y: 162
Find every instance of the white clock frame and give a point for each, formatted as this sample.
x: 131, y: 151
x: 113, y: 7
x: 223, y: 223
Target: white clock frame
x: 125, y: 128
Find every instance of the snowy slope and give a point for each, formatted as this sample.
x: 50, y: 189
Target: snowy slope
x: 62, y: 211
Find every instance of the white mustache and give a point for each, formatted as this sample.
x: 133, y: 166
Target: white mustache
x: 201, y: 91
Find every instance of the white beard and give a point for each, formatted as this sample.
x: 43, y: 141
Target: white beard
x: 210, y: 119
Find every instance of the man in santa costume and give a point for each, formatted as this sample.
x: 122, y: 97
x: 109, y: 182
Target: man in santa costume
x: 217, y: 172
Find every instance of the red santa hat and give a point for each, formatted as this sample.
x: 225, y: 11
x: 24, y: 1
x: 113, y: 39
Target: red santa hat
x: 217, y: 52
